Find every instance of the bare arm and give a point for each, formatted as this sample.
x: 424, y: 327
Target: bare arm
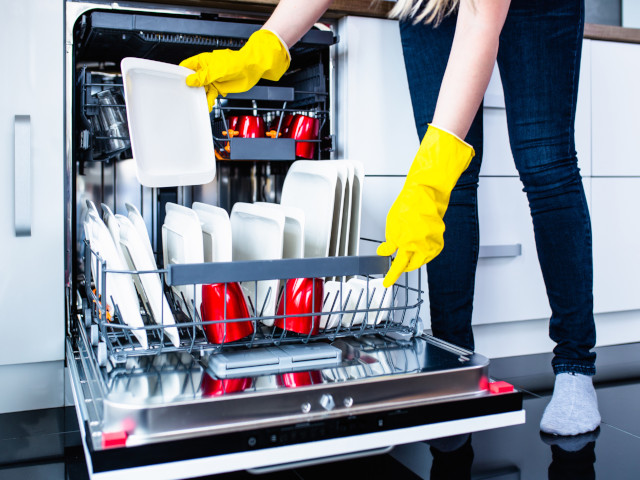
x: 473, y: 54
x: 293, y: 18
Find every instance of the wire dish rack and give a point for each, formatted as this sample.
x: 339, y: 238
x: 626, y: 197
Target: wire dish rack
x: 291, y: 301
x: 104, y: 133
x: 180, y: 376
x: 273, y: 105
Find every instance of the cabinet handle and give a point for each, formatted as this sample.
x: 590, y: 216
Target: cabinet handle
x: 22, y: 175
x: 500, y: 251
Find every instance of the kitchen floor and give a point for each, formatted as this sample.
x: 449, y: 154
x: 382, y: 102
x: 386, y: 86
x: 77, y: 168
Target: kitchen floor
x: 45, y: 444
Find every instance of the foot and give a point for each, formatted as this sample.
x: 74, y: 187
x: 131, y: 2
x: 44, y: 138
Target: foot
x: 573, y: 408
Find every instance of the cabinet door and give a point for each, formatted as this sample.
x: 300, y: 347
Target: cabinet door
x: 616, y: 248
x: 509, y: 284
x: 615, y: 106
x: 31, y: 175
x: 375, y: 118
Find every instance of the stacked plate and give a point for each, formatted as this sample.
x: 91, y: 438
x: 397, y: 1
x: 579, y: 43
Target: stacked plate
x: 329, y: 193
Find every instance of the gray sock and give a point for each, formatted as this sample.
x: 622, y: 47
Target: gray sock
x: 573, y: 408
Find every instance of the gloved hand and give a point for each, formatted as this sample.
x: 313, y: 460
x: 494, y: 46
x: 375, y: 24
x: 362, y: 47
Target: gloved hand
x: 232, y: 71
x: 414, y: 223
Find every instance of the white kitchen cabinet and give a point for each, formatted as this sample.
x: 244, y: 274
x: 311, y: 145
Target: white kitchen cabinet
x: 615, y: 104
x: 31, y: 172
x: 509, y: 283
x: 494, y: 95
x: 375, y: 117
x: 583, y: 112
x: 616, y: 244
x: 377, y: 197
x: 497, y: 159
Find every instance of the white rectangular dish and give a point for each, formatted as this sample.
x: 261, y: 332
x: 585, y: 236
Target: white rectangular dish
x: 169, y: 125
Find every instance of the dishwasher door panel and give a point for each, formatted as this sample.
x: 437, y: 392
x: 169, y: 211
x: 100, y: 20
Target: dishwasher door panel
x: 162, y: 415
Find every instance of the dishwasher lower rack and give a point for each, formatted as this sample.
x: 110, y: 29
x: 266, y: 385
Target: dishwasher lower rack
x: 292, y: 301
x: 379, y: 384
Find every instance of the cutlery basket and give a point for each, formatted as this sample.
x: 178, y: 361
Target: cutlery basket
x: 344, y: 299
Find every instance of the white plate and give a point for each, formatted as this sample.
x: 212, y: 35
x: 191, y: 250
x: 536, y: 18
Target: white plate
x: 216, y: 232
x: 356, y: 207
x: 342, y: 180
x: 138, y: 221
x: 380, y: 297
x: 346, y: 211
x: 357, y: 301
x: 119, y: 286
x: 258, y: 234
x: 91, y: 207
x: 333, y: 302
x: 169, y: 124
x: 311, y: 186
x: 293, y: 241
x: 151, y: 284
x: 182, y: 243
x: 114, y: 229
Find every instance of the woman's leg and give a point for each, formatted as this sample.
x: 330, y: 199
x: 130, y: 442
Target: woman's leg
x: 539, y: 60
x: 451, y: 275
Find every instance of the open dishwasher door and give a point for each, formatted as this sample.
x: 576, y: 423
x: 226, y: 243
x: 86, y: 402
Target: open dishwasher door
x: 170, y: 416
x: 275, y: 398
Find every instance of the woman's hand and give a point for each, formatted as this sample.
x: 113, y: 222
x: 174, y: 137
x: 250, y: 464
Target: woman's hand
x: 415, y: 225
x: 231, y: 71
x: 265, y: 55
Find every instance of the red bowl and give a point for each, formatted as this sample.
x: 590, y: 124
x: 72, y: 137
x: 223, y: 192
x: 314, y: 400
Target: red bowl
x: 305, y: 128
x: 299, y: 379
x: 232, y: 122
x: 303, y: 296
x: 251, y: 127
x: 214, y: 300
x: 215, y: 387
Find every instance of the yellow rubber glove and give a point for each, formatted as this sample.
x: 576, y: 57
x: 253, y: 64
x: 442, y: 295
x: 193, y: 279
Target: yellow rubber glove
x: 415, y: 225
x: 232, y: 71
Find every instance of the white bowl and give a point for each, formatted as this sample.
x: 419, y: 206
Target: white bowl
x: 258, y: 234
x: 182, y: 244
x: 293, y: 240
x: 311, y: 186
x: 216, y: 232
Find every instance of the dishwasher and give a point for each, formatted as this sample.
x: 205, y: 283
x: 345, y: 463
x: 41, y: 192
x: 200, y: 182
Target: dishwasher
x: 274, y: 399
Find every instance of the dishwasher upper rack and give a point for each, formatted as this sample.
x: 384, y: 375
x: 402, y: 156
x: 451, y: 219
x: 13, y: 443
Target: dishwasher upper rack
x: 115, y: 340
x: 272, y: 104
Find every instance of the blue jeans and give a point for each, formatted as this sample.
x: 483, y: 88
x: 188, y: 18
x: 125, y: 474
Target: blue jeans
x: 539, y: 62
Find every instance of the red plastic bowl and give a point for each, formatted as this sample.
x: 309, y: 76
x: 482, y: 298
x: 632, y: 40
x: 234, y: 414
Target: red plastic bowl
x: 305, y: 128
x: 213, y: 308
x: 303, y: 296
x: 215, y: 387
x: 251, y: 127
x: 300, y: 379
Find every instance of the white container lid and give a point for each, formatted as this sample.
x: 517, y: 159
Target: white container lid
x: 169, y: 125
